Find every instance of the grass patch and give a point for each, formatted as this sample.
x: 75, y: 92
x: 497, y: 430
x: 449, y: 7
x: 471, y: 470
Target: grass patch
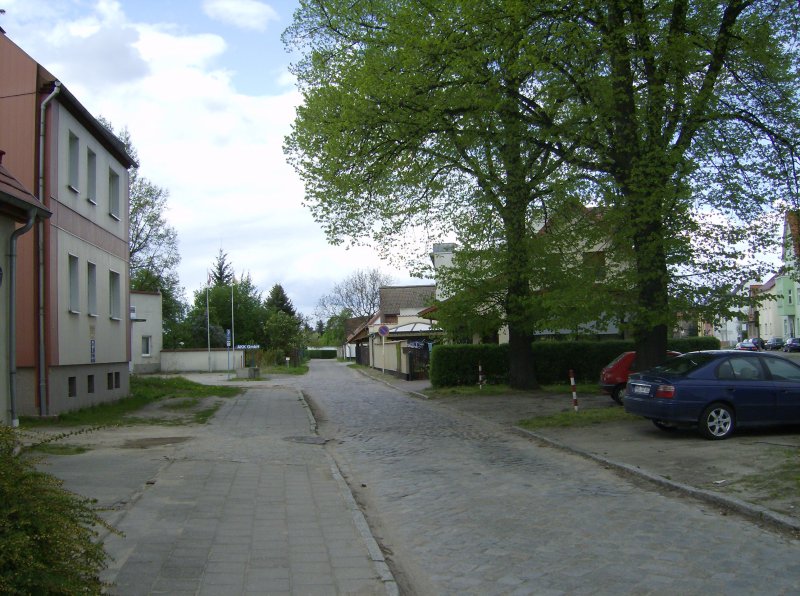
x: 285, y: 370
x: 204, y: 415
x: 144, y: 391
x: 58, y: 449
x: 579, y: 418
x: 580, y: 388
x: 777, y: 483
x: 467, y: 390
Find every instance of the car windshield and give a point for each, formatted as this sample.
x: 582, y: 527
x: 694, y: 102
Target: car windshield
x: 683, y: 365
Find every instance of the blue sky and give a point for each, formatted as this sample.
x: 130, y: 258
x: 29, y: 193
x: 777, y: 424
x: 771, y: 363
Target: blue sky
x: 203, y: 87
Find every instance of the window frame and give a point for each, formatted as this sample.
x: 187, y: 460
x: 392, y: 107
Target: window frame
x: 73, y: 284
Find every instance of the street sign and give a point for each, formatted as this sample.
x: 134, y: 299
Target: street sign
x: 383, y: 330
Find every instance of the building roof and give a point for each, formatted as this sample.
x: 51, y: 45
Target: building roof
x: 15, y: 198
x: 354, y: 324
x: 395, y: 298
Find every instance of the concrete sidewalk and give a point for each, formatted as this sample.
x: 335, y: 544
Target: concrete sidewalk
x: 250, y: 503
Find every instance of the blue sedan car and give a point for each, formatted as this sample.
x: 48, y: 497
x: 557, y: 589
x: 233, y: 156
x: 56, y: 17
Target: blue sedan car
x: 717, y: 391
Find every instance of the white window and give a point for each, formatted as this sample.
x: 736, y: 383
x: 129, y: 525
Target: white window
x: 91, y: 176
x: 146, y: 342
x: 74, y: 285
x: 114, y: 295
x: 113, y: 194
x: 72, y: 175
x: 91, y: 286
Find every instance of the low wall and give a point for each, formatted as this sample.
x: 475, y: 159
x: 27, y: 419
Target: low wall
x: 201, y: 360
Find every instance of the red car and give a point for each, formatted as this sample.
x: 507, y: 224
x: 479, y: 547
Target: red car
x: 614, y: 376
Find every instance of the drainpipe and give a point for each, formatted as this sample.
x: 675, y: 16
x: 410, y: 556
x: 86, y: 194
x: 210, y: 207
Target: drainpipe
x: 43, y: 405
x: 12, y: 314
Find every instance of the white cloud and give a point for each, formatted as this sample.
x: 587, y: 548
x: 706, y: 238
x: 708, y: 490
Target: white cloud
x: 216, y: 150
x: 247, y: 14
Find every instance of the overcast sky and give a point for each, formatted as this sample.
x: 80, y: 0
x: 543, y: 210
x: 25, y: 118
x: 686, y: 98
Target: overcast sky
x: 204, y: 89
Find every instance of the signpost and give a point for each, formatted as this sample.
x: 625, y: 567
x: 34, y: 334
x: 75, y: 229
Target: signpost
x: 383, y: 331
x: 228, y: 345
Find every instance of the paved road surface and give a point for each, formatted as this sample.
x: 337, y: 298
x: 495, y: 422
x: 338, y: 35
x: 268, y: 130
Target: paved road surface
x: 464, y: 508
x: 248, y: 504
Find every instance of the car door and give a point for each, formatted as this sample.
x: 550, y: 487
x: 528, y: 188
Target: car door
x: 744, y: 382
x: 786, y: 378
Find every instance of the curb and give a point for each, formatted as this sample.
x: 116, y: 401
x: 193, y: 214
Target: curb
x: 392, y: 385
x: 750, y: 511
x: 375, y: 554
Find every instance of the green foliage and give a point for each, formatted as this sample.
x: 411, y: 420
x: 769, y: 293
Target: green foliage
x: 48, y: 535
x: 278, y: 300
x: 335, y: 333
x: 144, y: 390
x: 585, y: 417
x: 675, y: 122
x: 222, y: 271
x: 247, y: 309
x: 321, y: 354
x: 458, y: 364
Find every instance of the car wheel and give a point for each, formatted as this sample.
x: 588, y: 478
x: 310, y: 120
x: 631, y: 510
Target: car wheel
x: 664, y: 426
x: 717, y: 421
x: 617, y: 393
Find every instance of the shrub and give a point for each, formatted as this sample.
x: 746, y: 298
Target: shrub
x: 453, y: 365
x: 321, y: 354
x: 48, y: 537
x: 458, y: 364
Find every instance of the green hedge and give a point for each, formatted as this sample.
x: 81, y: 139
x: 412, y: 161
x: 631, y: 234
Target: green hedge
x: 321, y: 354
x: 458, y: 364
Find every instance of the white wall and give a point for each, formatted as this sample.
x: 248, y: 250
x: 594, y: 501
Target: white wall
x: 148, y: 322
x: 198, y: 360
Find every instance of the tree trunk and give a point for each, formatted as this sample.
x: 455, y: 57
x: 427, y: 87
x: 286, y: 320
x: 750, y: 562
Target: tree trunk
x: 521, y: 371
x: 653, y: 314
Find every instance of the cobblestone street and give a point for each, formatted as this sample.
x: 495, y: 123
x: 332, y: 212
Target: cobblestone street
x: 462, y: 507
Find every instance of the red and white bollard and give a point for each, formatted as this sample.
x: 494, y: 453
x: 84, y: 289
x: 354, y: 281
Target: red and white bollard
x: 574, y: 390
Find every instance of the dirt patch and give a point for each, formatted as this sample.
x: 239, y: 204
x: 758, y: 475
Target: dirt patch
x: 145, y: 442
x: 175, y: 411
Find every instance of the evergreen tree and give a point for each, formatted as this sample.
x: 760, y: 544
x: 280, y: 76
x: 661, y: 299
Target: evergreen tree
x: 222, y: 271
x: 278, y: 300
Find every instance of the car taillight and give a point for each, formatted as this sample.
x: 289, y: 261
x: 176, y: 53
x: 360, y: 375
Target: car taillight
x: 665, y: 391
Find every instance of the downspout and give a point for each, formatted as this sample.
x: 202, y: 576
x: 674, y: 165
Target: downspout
x: 12, y: 314
x: 43, y: 405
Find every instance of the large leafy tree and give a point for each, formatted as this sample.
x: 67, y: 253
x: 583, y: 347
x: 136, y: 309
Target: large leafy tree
x: 488, y: 118
x: 153, y: 246
x: 683, y: 115
x: 412, y: 121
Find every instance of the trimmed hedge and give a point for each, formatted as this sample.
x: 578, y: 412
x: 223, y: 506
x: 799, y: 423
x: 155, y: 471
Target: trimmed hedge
x: 458, y: 364
x: 321, y: 354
